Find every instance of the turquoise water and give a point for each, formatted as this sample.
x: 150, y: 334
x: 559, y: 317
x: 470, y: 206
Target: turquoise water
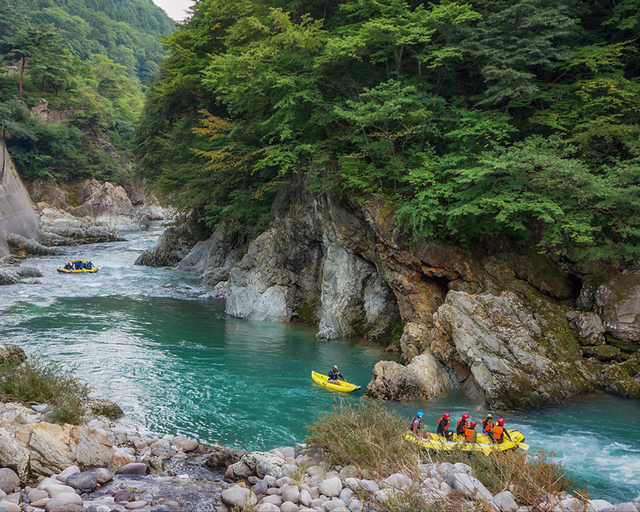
x: 177, y: 364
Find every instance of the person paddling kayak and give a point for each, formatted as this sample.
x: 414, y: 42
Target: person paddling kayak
x: 334, y: 374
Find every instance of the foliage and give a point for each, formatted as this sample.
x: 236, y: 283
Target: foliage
x: 37, y: 381
x: 474, y: 120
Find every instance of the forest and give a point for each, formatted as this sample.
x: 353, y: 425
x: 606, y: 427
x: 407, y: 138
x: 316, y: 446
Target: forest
x: 474, y: 120
x: 90, y: 61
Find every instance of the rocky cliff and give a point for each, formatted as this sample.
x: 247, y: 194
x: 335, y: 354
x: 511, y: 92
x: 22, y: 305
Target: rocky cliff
x: 16, y: 209
x: 507, y: 324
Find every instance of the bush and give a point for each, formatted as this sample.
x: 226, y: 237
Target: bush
x: 35, y: 381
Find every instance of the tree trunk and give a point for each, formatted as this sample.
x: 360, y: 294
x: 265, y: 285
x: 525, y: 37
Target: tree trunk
x: 44, y: 77
x: 24, y: 63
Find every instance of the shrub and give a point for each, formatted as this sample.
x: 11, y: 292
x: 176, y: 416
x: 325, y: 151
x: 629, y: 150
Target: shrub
x: 37, y: 381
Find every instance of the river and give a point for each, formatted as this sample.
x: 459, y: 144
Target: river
x: 147, y: 339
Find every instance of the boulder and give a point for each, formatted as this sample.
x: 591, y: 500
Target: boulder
x: 9, y: 481
x: 27, y: 272
x: 588, y: 326
x: 14, y: 456
x: 11, y: 354
x: 65, y: 498
x: 6, y: 278
x: 82, y: 482
x: 617, y: 301
x: 331, y: 487
x: 174, y: 244
x: 237, y: 496
x: 185, y: 444
x: 468, y: 485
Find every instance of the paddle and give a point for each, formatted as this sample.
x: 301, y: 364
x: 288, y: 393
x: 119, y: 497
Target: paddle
x: 524, y: 446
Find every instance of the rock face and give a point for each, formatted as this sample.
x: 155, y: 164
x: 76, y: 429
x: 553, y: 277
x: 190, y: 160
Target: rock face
x: 175, y: 243
x: 16, y: 211
x: 504, y: 323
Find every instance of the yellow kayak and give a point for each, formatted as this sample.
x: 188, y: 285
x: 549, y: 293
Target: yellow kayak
x: 80, y: 271
x: 323, y: 380
x: 484, y: 444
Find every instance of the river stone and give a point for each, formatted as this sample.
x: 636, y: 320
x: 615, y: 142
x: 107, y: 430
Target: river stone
x: 65, y: 498
x: 7, y: 506
x: 267, y: 507
x: 9, y: 480
x: 287, y: 506
x: 29, y: 272
x: 134, y: 468
x: 67, y: 472
x: 40, y: 503
x: 55, y: 489
x: 185, y: 444
x: 291, y: 493
x: 37, y: 494
x: 285, y: 480
x: 123, y: 496
x: 369, y: 486
x: 468, y: 485
x: 133, y: 505
x: 238, y: 496
x: 102, y: 475
x: 273, y: 499
x: 83, y: 482
x: 346, y: 493
x: 398, y: 480
x: 71, y: 507
x: 305, y: 498
x: 352, y: 483
x: 505, y: 502
x: 330, y: 487
x: 349, y: 472
x: 623, y: 507
x: 261, y: 487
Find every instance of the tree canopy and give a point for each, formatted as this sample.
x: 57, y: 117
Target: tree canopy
x: 472, y: 119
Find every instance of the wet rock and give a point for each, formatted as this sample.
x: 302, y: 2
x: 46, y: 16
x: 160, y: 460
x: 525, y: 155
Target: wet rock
x: 22, y: 245
x: 134, y: 505
x: 6, y: 279
x: 124, y: 495
x: 9, y: 480
x: 186, y: 445
x: 82, y: 482
x: 173, y: 245
x: 106, y: 408
x: 134, y: 468
x: 29, y: 272
x: 65, y: 498
x: 67, y: 472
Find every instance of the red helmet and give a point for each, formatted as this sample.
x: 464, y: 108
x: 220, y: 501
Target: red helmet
x: 501, y: 422
x: 465, y: 416
x: 446, y: 415
x: 473, y: 423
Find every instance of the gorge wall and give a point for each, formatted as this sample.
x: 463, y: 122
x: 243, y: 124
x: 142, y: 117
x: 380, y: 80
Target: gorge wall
x: 16, y: 210
x: 506, y: 324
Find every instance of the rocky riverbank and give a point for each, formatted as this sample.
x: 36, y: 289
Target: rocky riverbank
x: 127, y: 470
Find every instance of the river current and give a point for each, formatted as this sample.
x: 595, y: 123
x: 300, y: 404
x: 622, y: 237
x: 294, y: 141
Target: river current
x: 148, y: 339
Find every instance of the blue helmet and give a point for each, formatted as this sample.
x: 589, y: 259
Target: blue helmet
x: 420, y: 414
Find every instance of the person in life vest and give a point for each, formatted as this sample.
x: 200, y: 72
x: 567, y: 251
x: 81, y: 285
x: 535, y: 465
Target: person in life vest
x: 470, y: 433
x: 334, y: 374
x: 462, y: 424
x: 487, y: 425
x: 416, y: 424
x: 443, y: 426
x: 499, y: 432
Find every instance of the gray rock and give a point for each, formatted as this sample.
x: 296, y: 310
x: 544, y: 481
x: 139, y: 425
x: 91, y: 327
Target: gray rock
x: 330, y: 487
x: 71, y: 507
x: 9, y: 480
x: 369, y: 485
x: 355, y: 506
x: 134, y: 505
x: 6, y: 279
x: 11, y: 354
x: 589, y: 327
x: 291, y: 493
x: 305, y: 498
x: 260, y: 487
x: 124, y: 495
x: 82, y: 482
x: 134, y: 468
x: 7, y: 506
x: 185, y: 444
x: 267, y: 507
x: 238, y: 496
x: 349, y: 472
x: 273, y: 499
x: 468, y: 485
x: 626, y: 507
x: 617, y: 301
x: 28, y: 246
x: 398, y: 481
x: 65, y: 498
x: 352, y: 483
x: 287, y: 506
x: 102, y: 475
x: 285, y: 480
x: 505, y: 502
x: 29, y: 272
x: 67, y: 472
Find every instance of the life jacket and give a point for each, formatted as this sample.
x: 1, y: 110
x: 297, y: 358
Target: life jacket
x: 416, y: 424
x: 443, y: 426
x: 461, y: 426
x: 498, y: 433
x: 487, y: 425
x: 470, y: 434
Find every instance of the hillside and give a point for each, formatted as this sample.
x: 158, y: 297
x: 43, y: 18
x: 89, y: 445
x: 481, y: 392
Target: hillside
x: 470, y: 121
x: 71, y: 89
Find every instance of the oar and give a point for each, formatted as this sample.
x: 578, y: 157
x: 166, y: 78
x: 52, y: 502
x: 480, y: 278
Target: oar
x: 524, y: 446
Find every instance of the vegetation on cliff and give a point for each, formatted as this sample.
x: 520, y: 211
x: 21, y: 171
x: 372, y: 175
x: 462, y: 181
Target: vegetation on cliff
x: 474, y: 119
x: 88, y: 61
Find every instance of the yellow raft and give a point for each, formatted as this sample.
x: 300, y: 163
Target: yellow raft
x: 323, y: 380
x: 80, y: 271
x: 484, y: 444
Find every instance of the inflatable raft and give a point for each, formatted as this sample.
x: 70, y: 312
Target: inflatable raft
x: 80, y: 271
x: 484, y: 444
x: 323, y: 380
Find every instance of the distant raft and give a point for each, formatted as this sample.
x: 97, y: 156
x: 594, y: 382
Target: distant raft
x: 484, y: 444
x: 323, y: 380
x: 92, y: 270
